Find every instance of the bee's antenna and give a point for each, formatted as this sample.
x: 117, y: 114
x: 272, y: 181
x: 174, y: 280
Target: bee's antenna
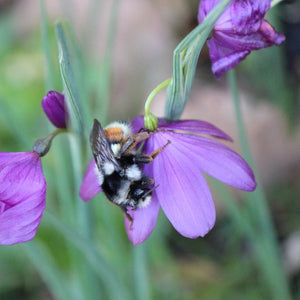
x: 150, y: 191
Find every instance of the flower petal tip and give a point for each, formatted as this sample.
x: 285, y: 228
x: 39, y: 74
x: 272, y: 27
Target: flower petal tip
x: 144, y: 220
x: 90, y: 184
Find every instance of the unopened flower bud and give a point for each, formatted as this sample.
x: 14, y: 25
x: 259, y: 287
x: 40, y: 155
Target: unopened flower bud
x: 54, y: 107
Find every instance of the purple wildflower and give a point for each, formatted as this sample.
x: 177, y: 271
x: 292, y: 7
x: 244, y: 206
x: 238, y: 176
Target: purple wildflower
x: 239, y: 30
x: 183, y: 192
x: 54, y: 107
x: 22, y: 196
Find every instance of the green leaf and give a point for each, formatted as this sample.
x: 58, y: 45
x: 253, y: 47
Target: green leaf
x: 49, y: 66
x: 69, y: 81
x: 185, y: 59
x: 115, y: 286
x: 140, y: 272
x: 45, y: 265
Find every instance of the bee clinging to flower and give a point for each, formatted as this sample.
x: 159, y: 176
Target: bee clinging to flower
x: 119, y: 165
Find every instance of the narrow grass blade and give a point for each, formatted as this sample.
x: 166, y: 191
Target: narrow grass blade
x: 49, y: 70
x: 263, y: 231
x: 115, y: 285
x: 140, y: 272
x: 45, y: 265
x: 71, y: 90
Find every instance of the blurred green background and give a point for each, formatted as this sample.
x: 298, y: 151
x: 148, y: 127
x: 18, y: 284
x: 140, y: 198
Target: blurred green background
x: 123, y: 49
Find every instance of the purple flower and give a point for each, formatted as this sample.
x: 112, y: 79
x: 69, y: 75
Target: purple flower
x: 54, y: 107
x: 239, y: 30
x: 22, y: 196
x: 183, y: 193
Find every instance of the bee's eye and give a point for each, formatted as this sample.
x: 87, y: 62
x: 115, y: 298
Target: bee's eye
x: 138, y: 192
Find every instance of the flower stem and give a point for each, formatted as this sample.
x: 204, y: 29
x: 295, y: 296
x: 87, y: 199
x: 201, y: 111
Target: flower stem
x: 150, y: 121
x: 140, y: 269
x: 262, y: 226
x: 260, y: 208
x: 49, y: 69
x: 154, y: 93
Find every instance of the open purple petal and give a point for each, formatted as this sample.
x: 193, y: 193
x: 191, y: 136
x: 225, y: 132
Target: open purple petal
x: 20, y: 222
x: 194, y: 126
x: 247, y: 15
x: 90, y: 184
x: 183, y: 192
x: 144, y: 220
x: 222, y: 55
x: 240, y: 29
x: 137, y: 123
x: 191, y: 126
x: 21, y: 175
x: 242, y: 16
x: 217, y: 160
x: 205, y: 7
x: 227, y: 50
x: 22, y: 196
x: 270, y: 35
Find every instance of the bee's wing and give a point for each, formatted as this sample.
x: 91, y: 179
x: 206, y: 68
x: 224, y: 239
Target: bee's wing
x: 101, y: 148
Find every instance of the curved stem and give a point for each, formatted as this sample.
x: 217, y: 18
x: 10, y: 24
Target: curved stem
x: 154, y: 93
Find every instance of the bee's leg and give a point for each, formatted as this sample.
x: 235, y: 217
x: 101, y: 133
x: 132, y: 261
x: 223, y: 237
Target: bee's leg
x: 127, y: 215
x: 147, y: 159
x: 131, y: 141
x: 147, y: 181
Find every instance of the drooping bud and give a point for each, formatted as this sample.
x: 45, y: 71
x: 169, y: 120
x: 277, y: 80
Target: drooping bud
x: 150, y: 122
x: 42, y: 146
x: 54, y: 107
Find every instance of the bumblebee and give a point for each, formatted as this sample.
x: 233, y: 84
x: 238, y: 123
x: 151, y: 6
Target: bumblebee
x: 119, y: 165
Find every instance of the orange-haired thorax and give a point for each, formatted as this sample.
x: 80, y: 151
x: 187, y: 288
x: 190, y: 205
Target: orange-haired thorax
x: 114, y: 134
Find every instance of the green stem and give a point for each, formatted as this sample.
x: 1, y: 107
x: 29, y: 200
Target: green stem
x: 263, y: 228
x: 141, y: 276
x: 106, y: 77
x: 49, y: 70
x: 154, y: 93
x: 259, y: 206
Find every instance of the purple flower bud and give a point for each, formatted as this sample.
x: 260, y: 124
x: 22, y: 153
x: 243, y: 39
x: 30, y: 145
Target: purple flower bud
x: 22, y: 196
x: 240, y: 29
x: 54, y: 107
